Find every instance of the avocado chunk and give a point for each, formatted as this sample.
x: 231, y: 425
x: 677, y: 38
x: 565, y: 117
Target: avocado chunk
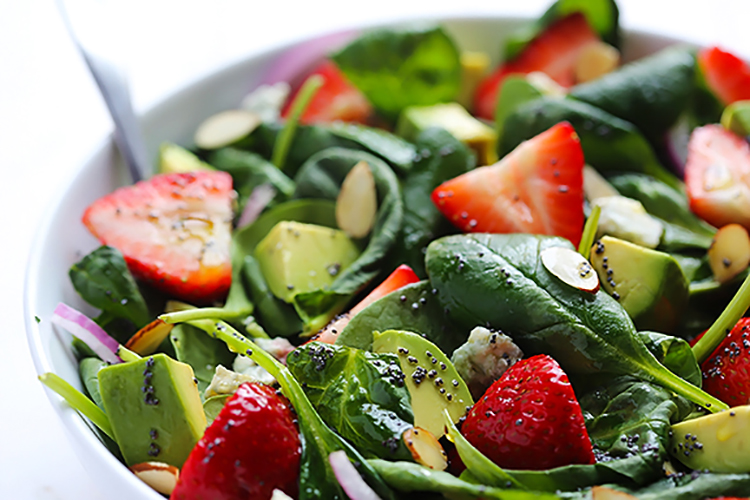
x: 296, y: 258
x: 174, y: 159
x: 716, y: 442
x: 649, y: 284
x: 474, y: 66
x: 432, y: 380
x: 736, y: 117
x: 154, y: 407
x: 455, y: 119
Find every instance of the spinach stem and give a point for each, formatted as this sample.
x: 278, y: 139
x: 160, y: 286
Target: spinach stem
x: 78, y: 401
x: 300, y: 103
x: 684, y: 388
x: 589, y: 232
x: 724, y: 324
x: 216, y: 313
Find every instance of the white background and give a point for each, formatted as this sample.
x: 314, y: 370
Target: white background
x: 51, y: 116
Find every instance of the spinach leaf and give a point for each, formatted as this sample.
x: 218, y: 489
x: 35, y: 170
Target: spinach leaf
x: 103, y: 280
x: 400, y: 68
x: 316, y: 478
x: 441, y: 157
x: 499, y: 280
x: 274, y: 314
x: 202, y: 353
x: 321, y: 177
x: 674, y: 353
x: 682, y: 229
x: 413, y: 308
x: 88, y: 369
x: 409, y: 477
x: 312, y: 139
x: 651, y: 93
x: 213, y: 406
x: 609, y: 144
x: 602, y: 16
x: 360, y: 394
x: 250, y: 170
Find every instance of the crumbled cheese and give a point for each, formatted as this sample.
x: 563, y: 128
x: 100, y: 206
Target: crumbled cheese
x: 267, y: 100
x: 484, y: 358
x: 227, y: 381
x: 246, y: 366
x: 626, y: 219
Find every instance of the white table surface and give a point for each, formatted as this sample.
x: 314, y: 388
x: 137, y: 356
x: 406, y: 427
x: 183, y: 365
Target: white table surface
x: 51, y: 116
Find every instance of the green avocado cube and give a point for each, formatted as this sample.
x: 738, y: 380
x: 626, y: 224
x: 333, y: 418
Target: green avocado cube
x: 736, y: 118
x: 296, y: 258
x: 154, y: 408
x: 174, y: 159
x: 455, y: 119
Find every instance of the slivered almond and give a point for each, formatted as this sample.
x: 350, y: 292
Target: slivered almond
x: 729, y: 253
x: 225, y: 128
x: 147, y: 339
x: 160, y: 476
x: 425, y: 448
x: 571, y: 268
x: 596, y: 59
x: 604, y: 493
x: 357, y: 203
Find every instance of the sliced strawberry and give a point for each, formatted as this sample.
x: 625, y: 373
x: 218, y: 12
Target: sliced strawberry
x: 554, y: 52
x: 717, y: 176
x: 726, y: 373
x: 537, y: 188
x: 174, y: 231
x: 402, y: 276
x: 530, y: 419
x: 727, y: 75
x: 250, y: 449
x: 336, y: 100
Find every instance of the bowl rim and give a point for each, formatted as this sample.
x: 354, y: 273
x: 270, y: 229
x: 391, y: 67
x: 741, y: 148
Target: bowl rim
x: 79, y: 431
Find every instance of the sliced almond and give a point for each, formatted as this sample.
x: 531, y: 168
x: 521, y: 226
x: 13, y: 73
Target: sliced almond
x: 425, y: 448
x: 571, y: 267
x: 357, y: 203
x: 604, y: 493
x: 147, y: 339
x: 595, y: 60
x: 160, y: 476
x: 280, y: 495
x: 225, y: 128
x: 729, y: 253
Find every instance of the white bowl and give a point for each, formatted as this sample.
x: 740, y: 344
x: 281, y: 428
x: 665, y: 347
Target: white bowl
x: 62, y: 239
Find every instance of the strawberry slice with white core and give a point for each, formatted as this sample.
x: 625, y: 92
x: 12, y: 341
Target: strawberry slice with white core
x: 174, y: 231
x: 537, y: 188
x: 717, y: 176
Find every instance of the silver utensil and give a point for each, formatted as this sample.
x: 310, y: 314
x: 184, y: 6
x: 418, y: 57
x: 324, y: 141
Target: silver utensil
x: 90, y: 28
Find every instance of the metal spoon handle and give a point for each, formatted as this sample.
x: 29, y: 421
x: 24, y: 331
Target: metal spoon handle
x: 86, y: 30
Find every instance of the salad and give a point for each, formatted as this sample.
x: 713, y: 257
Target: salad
x: 415, y: 275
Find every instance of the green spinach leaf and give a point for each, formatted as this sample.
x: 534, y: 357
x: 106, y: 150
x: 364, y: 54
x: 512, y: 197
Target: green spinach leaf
x: 321, y: 177
x: 413, y: 308
x: 360, y: 394
x: 441, y: 157
x: 397, y: 69
x: 609, y: 144
x: 602, y: 16
x: 202, y: 353
x: 103, y: 280
x: 674, y: 353
x: 500, y: 280
x: 682, y: 229
x: 651, y: 93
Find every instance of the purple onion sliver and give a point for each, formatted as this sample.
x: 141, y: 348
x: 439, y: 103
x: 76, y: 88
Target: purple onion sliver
x: 88, y: 331
x: 257, y: 201
x: 296, y: 62
x: 351, y: 482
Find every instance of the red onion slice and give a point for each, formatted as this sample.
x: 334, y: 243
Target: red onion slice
x: 89, y: 332
x: 354, y: 486
x: 257, y: 201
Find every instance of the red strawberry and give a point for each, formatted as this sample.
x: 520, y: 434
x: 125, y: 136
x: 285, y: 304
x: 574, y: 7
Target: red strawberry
x: 726, y: 373
x: 727, y: 75
x: 252, y: 448
x: 537, y: 188
x: 337, y: 99
x: 530, y: 419
x: 174, y: 231
x: 717, y: 176
x: 402, y: 276
x: 555, y: 51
